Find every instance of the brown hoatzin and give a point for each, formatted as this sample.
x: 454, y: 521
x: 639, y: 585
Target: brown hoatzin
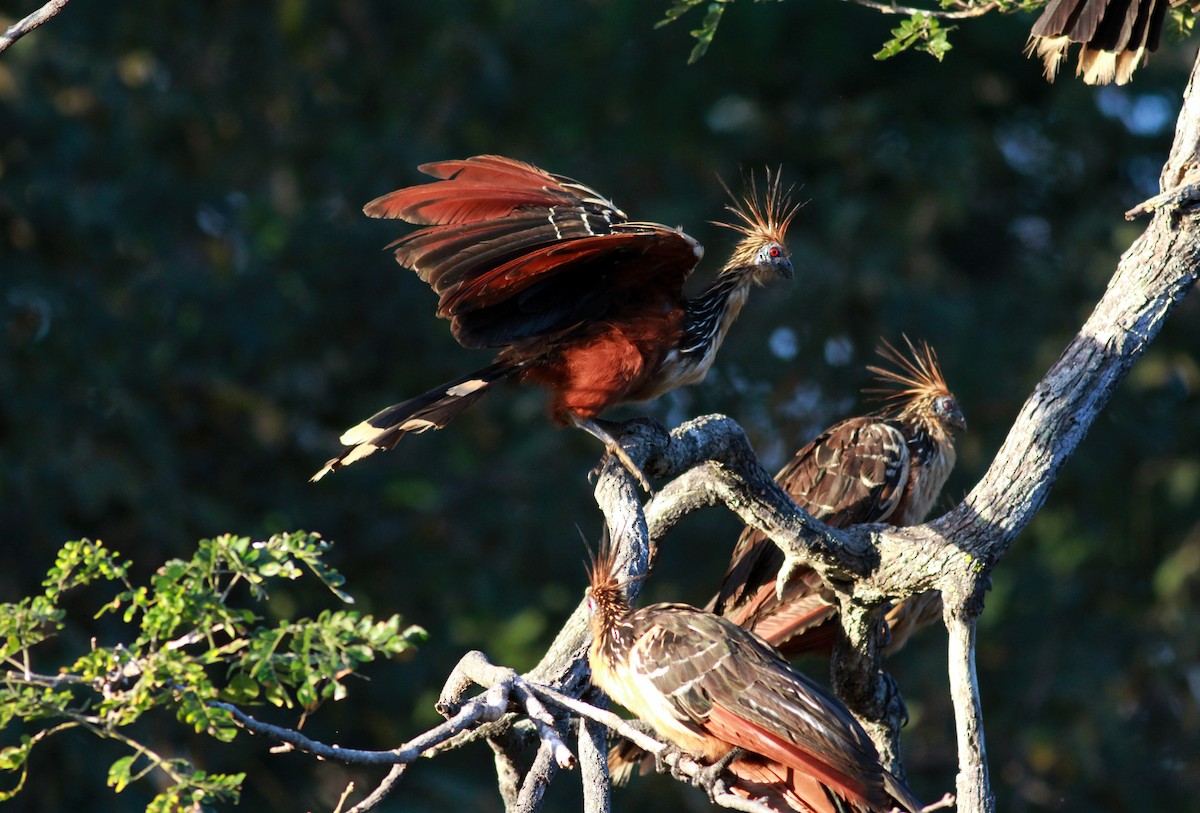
x: 577, y: 297
x: 884, y: 467
x: 1115, y: 36
x: 888, y: 466
x: 710, y: 688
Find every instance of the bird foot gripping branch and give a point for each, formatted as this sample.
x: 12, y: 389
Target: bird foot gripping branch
x: 612, y: 436
x: 709, y: 778
x: 576, y: 297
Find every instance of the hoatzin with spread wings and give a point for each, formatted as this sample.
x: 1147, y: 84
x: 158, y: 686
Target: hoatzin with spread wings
x: 1115, y: 36
x: 889, y: 467
x: 577, y: 297
x: 720, y: 694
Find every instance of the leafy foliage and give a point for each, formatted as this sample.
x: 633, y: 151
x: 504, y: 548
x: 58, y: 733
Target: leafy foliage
x: 188, y: 645
x: 708, y: 26
x: 920, y: 32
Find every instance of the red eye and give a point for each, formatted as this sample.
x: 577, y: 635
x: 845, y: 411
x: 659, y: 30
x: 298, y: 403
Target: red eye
x: 774, y: 251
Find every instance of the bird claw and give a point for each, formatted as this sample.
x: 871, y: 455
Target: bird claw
x: 596, y: 430
x: 661, y: 762
x: 709, y: 778
x: 791, y: 565
x: 618, y: 452
x: 669, y: 759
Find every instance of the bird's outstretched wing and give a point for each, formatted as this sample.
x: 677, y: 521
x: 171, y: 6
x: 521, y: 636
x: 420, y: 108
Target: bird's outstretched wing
x: 517, y: 253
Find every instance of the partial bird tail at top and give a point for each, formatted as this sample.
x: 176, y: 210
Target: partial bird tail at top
x: 432, y: 410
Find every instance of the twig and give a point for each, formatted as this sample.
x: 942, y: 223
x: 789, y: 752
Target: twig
x: 49, y: 681
x: 947, y: 801
x: 37, y: 18
x: 964, y: 12
x: 407, y: 753
x: 345, y: 795
x: 381, y: 791
x: 1188, y: 193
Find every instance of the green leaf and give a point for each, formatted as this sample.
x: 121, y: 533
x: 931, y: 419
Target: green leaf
x: 707, y: 30
x: 118, y: 773
x: 676, y: 11
x: 14, y: 756
x: 920, y: 32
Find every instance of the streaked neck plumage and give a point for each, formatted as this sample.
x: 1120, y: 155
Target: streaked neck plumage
x: 708, y: 317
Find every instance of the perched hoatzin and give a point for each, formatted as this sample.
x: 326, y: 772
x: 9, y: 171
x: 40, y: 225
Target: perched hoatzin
x: 1115, y: 36
x: 888, y: 466
x: 885, y: 467
x: 578, y: 298
x: 709, y: 687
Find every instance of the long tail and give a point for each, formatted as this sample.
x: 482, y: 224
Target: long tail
x: 433, y: 410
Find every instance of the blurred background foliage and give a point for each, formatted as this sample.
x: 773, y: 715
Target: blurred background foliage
x: 192, y: 307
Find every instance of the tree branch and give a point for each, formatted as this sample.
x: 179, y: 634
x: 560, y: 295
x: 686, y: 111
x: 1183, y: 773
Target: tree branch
x: 381, y: 792
x: 593, y: 761
x: 973, y: 785
x: 37, y: 18
x: 961, y: 11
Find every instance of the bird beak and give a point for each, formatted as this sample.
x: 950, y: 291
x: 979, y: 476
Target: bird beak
x: 957, y: 420
x: 784, y: 267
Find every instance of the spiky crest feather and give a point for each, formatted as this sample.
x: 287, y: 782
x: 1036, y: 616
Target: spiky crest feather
x: 764, y: 219
x: 918, y: 378
x: 607, y: 591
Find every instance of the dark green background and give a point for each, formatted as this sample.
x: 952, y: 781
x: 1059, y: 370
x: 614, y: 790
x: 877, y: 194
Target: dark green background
x: 192, y: 307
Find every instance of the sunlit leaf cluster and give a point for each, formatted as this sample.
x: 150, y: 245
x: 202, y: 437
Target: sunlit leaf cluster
x: 919, y: 32
x: 184, y: 643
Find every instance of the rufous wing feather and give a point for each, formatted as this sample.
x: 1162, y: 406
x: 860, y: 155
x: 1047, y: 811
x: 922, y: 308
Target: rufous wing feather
x: 734, y: 728
x: 640, y: 254
x: 781, y: 787
x: 484, y: 187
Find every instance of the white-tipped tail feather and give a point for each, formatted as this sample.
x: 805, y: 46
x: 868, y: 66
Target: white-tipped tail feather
x: 433, y: 410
